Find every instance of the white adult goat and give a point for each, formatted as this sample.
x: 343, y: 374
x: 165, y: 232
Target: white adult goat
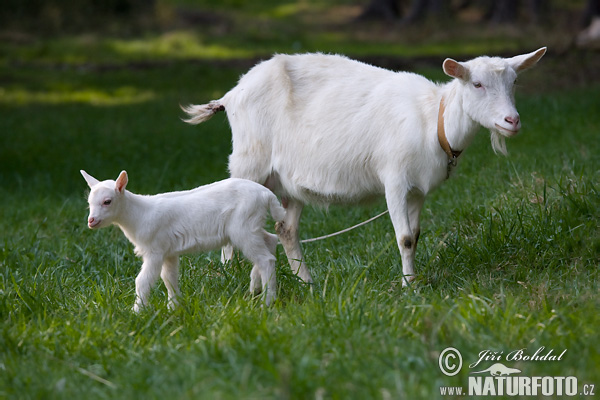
x: 166, y: 225
x: 321, y: 129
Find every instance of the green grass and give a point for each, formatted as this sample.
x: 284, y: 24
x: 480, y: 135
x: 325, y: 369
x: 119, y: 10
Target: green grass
x: 508, y: 257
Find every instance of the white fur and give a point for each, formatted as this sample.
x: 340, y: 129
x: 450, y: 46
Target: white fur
x: 321, y: 129
x: 166, y: 225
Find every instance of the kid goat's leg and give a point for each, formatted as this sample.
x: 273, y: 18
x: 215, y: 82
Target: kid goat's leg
x: 146, y: 279
x: 226, y: 253
x: 170, y: 276
x: 288, y: 235
x: 255, y: 278
x: 402, y: 206
x: 264, y: 264
x: 257, y: 251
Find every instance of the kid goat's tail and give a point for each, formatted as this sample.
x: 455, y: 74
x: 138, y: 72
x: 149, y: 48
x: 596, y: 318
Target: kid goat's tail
x: 277, y: 211
x: 201, y: 113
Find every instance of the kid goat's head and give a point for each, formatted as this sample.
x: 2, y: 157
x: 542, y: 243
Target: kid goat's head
x: 489, y: 88
x: 105, y: 199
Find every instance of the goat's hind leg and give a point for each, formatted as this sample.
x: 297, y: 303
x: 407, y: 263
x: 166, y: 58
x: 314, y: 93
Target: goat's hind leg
x: 271, y: 242
x: 170, y: 276
x: 255, y: 275
x: 255, y: 278
x: 289, y: 237
x: 269, y: 279
x: 255, y: 281
x: 266, y: 268
x: 262, y: 277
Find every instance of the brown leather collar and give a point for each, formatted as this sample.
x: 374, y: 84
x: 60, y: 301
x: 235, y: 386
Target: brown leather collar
x: 441, y: 132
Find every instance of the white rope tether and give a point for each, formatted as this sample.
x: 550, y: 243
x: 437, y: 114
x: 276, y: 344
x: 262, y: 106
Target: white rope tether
x: 344, y: 230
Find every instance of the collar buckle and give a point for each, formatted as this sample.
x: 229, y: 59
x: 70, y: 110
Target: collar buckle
x: 452, y: 154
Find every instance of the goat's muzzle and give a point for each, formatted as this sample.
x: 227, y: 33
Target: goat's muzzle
x: 93, y: 222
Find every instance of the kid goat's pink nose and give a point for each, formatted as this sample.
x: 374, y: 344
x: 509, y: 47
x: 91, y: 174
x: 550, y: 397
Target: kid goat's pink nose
x: 91, y: 220
x: 514, y: 121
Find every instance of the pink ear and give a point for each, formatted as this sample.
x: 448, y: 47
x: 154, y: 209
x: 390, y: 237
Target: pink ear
x: 121, y: 182
x: 526, y: 61
x: 454, y: 69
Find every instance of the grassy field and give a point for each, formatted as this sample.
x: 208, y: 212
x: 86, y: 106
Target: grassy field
x: 508, y: 258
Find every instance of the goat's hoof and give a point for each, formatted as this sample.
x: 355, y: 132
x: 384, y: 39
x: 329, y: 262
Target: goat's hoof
x: 269, y: 299
x: 305, y: 277
x: 255, y: 289
x: 407, y: 280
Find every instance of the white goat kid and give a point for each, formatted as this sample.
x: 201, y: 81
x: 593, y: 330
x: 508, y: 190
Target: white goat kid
x: 322, y: 129
x: 166, y: 225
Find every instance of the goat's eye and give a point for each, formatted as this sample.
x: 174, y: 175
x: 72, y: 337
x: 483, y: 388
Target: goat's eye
x: 477, y: 85
x: 107, y: 202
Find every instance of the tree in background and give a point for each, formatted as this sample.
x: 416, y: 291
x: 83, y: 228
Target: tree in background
x: 392, y: 10
x: 387, y: 10
x: 590, y: 36
x: 496, y: 11
x: 591, y: 11
x: 69, y: 15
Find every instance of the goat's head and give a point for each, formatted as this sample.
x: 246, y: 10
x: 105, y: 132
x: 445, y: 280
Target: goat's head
x: 105, y: 199
x: 489, y: 88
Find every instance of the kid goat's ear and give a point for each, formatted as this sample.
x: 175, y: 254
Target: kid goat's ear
x: 91, y: 181
x: 455, y: 69
x: 121, y: 182
x: 526, y: 61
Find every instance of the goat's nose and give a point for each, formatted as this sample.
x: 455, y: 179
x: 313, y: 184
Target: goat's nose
x: 514, y: 120
x: 91, y: 220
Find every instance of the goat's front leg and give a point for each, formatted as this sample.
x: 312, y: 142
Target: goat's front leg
x: 170, y: 276
x: 287, y: 230
x: 415, y: 205
x: 146, y: 279
x: 403, y: 208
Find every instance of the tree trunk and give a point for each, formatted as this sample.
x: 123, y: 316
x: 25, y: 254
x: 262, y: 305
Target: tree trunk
x: 591, y: 10
x: 420, y: 8
x: 505, y: 11
x: 388, y: 10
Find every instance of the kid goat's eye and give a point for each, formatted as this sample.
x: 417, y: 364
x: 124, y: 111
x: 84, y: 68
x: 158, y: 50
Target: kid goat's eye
x: 107, y: 202
x: 477, y: 85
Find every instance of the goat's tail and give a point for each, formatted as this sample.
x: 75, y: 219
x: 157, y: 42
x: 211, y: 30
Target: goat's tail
x: 201, y: 113
x: 276, y: 210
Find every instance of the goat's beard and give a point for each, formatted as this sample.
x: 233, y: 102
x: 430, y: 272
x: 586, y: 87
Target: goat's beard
x: 498, y: 142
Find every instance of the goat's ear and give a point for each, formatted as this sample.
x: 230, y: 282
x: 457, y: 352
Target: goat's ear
x: 526, y: 61
x: 455, y: 69
x: 121, y: 182
x: 91, y: 181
